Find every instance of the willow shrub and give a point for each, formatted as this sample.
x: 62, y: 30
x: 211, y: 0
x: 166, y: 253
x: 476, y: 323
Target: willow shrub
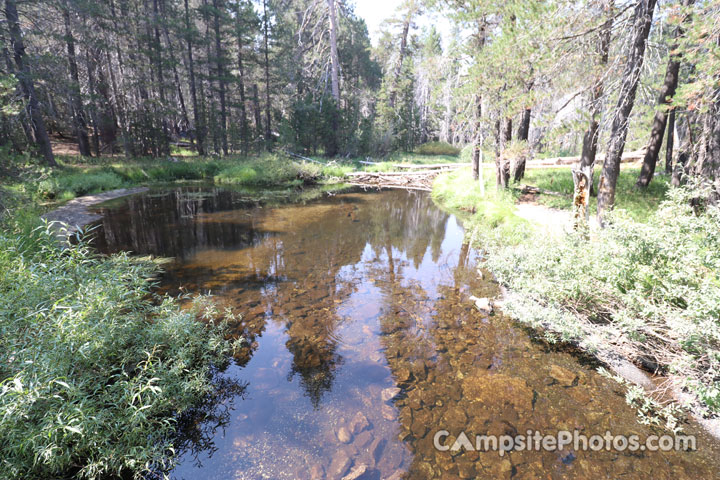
x: 650, y: 290
x: 94, y: 371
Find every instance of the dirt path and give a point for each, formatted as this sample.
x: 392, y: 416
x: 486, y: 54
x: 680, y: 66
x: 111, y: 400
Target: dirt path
x: 76, y: 213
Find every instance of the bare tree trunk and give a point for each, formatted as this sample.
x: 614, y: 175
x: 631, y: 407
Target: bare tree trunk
x: 332, y: 146
x: 79, y: 122
x: 220, y: 77
x: 403, y: 48
x: 524, y: 127
x: 583, y: 175
x: 199, y: 124
x: 667, y: 92
x: 256, y: 110
x: 244, y: 131
x: 37, y: 124
x: 670, y: 142
x: 163, y: 142
x: 334, y: 60
x: 92, y: 90
x: 268, y: 105
x: 503, y: 136
x: 642, y: 21
x: 477, y: 147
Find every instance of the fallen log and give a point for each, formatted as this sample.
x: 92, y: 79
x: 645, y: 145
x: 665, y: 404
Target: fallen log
x: 432, y: 166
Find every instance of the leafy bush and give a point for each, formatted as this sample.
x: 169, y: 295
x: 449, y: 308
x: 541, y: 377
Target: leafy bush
x: 649, y: 290
x: 93, y: 375
x: 437, y: 148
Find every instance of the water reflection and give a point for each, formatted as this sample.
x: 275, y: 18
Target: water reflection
x: 363, y: 343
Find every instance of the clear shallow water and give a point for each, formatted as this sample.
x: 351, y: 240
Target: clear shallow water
x: 364, y: 343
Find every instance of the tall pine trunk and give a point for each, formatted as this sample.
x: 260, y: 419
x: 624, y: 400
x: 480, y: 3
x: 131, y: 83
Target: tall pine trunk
x: 642, y: 21
x: 268, y: 105
x: 670, y: 142
x: 220, y: 71
x: 199, y: 124
x: 244, y: 131
x: 335, y: 78
x: 37, y: 124
x: 78, y: 114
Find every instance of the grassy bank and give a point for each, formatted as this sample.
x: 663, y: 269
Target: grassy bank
x: 649, y: 290
x: 77, y: 176
x: 638, y: 203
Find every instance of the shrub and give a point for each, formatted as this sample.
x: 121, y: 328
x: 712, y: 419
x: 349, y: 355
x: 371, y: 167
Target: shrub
x: 649, y: 290
x: 93, y: 375
x: 437, y: 148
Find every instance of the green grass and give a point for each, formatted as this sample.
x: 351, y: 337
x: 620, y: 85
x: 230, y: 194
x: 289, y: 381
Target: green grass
x: 491, y: 212
x: 437, y: 148
x: 639, y: 204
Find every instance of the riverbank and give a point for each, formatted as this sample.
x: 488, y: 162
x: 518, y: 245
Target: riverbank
x: 646, y: 291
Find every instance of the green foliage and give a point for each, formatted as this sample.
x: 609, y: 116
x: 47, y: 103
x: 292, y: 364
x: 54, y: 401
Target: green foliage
x: 437, y: 148
x: 638, y: 203
x: 93, y: 373
x: 491, y: 212
x: 650, y: 290
x: 77, y: 184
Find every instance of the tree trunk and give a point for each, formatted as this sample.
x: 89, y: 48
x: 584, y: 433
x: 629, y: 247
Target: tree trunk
x: 667, y: 92
x: 79, y: 121
x: 163, y: 146
x: 199, y: 124
x: 244, y: 131
x: 256, y: 110
x: 524, y: 127
x: 220, y: 77
x: 642, y: 21
x: 477, y: 147
x: 268, y: 105
x: 37, y: 124
x: 503, y: 136
x: 398, y: 67
x: 92, y: 90
x: 334, y: 60
x: 670, y: 142
x: 583, y: 175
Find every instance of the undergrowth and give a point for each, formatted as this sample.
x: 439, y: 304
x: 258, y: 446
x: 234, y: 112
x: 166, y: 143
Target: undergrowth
x: 94, y: 370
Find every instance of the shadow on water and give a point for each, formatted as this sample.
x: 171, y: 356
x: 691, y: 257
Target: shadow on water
x: 363, y: 344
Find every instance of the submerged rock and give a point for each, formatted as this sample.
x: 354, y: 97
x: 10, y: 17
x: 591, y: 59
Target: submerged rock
x: 389, y: 393
x: 497, y: 389
x: 564, y: 377
x: 485, y: 305
x: 359, y: 423
x: 388, y: 412
x: 357, y: 473
x: 339, y: 466
x: 344, y: 435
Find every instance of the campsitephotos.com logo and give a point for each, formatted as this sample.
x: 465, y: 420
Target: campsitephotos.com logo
x: 537, y: 441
